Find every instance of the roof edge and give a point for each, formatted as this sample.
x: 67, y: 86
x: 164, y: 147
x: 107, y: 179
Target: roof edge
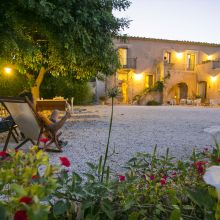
x: 172, y: 41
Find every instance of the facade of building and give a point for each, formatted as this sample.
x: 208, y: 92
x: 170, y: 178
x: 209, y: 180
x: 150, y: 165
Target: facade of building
x: 188, y: 70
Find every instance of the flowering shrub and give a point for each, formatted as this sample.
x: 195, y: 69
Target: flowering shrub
x: 26, y: 180
x: 153, y: 187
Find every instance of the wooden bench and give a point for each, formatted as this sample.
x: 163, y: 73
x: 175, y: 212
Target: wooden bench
x: 50, y: 104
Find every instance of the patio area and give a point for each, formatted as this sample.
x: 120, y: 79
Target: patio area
x: 135, y: 129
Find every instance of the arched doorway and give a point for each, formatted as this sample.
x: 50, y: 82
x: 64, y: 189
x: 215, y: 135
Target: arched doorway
x: 183, y: 91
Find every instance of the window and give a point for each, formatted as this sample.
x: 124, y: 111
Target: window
x: 123, y: 55
x: 149, y: 81
x: 167, y: 57
x: 190, y: 61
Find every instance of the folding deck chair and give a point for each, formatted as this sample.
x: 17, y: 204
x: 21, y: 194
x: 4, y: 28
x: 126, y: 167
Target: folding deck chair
x: 10, y: 127
x: 29, y: 122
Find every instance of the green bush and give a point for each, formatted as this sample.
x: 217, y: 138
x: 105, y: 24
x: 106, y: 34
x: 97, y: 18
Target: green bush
x: 67, y: 87
x: 158, y: 87
x: 13, y: 84
x: 153, y: 102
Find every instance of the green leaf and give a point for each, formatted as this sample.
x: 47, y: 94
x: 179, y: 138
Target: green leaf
x: 60, y: 208
x: 202, y: 198
x: 175, y: 214
x: 129, y: 204
x: 107, y: 209
x: 18, y: 189
x: 133, y: 216
x: 89, y: 176
x: 2, y: 213
x: 91, y: 165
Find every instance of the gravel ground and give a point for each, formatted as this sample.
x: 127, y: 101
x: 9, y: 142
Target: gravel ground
x: 135, y: 129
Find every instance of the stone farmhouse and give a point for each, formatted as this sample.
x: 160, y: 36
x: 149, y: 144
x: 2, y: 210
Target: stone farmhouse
x: 187, y: 70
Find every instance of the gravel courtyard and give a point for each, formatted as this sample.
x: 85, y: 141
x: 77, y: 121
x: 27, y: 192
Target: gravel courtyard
x: 136, y: 129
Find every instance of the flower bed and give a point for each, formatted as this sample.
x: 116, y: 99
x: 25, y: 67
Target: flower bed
x: 154, y: 187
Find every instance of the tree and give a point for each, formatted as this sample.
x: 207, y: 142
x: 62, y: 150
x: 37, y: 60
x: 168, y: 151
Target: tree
x: 60, y: 37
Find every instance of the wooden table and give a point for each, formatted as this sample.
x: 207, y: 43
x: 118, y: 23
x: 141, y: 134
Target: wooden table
x: 50, y: 104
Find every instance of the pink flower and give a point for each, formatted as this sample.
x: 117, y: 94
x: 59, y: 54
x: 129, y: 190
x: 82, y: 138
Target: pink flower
x: 163, y: 181
x: 44, y: 140
x: 21, y: 215
x: 65, y: 161
x: 121, y: 178
x: 152, y: 177
x: 206, y: 149
x: 174, y: 174
x: 3, y: 154
x: 26, y: 200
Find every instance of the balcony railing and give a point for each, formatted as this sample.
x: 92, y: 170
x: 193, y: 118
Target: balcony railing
x: 131, y: 63
x: 212, y: 64
x: 211, y: 67
x: 179, y: 67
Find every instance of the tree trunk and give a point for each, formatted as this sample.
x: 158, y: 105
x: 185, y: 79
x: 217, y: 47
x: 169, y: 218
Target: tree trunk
x: 36, y: 88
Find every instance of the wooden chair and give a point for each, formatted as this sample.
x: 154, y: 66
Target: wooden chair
x: 29, y: 122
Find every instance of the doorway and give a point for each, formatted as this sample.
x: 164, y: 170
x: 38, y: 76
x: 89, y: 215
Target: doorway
x: 183, y: 90
x: 202, y: 89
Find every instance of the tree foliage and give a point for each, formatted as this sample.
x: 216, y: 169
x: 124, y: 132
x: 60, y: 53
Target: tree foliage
x: 54, y: 86
x: 63, y: 36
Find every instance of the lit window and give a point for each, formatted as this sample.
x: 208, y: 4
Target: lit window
x: 123, y: 55
x: 167, y: 57
x: 190, y: 61
x: 149, y: 81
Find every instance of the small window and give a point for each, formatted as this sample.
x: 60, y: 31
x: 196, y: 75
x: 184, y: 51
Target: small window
x: 190, y: 61
x: 167, y: 57
x: 123, y: 54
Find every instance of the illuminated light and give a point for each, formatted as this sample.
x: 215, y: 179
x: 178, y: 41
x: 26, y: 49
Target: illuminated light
x: 138, y: 76
x: 179, y: 55
x: 209, y: 57
x: 213, y: 78
x: 8, y: 70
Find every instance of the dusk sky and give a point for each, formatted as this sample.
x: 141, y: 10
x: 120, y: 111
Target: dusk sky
x: 193, y: 20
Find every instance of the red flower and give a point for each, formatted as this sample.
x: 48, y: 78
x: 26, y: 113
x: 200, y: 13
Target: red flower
x: 165, y: 177
x: 199, y: 163
x: 65, y: 161
x: 21, y: 215
x: 34, y: 177
x: 121, y: 178
x: 3, y: 154
x: 152, y: 177
x: 44, y: 140
x: 26, y: 200
x: 218, y: 159
x: 163, y: 181
x: 200, y: 166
